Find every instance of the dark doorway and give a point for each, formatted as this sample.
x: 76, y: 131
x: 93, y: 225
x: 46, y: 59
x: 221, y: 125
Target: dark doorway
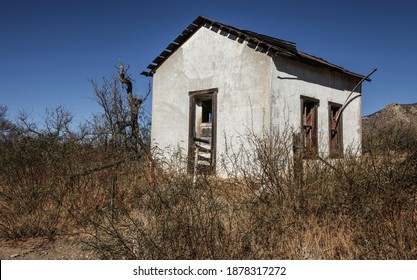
x: 202, y: 131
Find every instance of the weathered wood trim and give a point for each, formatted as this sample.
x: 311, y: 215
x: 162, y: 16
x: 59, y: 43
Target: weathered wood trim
x: 204, y: 91
x: 205, y: 94
x: 339, y: 127
x: 314, y: 131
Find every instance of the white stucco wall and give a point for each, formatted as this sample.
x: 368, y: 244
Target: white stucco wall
x: 292, y: 79
x: 254, y: 92
x: 209, y: 60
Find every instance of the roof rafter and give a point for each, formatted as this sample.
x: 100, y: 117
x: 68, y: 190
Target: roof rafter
x: 263, y: 43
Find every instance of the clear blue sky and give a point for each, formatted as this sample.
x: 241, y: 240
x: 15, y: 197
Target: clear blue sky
x: 50, y: 49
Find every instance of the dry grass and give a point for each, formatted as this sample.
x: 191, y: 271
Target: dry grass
x: 355, y: 208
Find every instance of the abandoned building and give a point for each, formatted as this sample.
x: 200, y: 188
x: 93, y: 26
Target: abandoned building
x: 215, y: 82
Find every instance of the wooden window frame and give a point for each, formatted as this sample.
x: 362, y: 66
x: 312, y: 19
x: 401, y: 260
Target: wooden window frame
x: 202, y: 95
x: 335, y: 131
x: 310, y: 146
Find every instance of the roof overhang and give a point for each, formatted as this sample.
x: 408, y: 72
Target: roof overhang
x: 263, y: 43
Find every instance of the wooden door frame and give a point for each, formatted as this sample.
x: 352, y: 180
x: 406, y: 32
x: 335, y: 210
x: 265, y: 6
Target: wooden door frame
x: 207, y: 94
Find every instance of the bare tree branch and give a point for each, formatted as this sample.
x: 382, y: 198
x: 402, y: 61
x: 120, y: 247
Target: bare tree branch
x: 134, y: 104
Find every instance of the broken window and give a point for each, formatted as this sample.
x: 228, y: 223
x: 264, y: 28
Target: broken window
x: 309, y: 123
x: 335, y: 130
x: 202, y: 131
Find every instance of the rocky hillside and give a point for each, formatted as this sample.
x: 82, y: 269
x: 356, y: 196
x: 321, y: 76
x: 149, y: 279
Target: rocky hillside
x: 394, y: 126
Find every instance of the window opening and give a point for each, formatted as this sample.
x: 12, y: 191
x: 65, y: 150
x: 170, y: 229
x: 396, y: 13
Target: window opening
x: 309, y: 122
x: 335, y: 131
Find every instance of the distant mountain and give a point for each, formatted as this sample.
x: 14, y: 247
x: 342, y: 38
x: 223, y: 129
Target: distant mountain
x: 394, y: 126
x: 394, y: 112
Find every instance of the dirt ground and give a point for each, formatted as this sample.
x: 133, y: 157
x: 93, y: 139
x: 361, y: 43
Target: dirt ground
x: 42, y: 249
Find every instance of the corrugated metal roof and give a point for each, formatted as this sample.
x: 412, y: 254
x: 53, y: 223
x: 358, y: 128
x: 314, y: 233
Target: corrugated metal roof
x: 263, y: 43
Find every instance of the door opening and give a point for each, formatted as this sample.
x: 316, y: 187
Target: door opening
x: 202, y: 132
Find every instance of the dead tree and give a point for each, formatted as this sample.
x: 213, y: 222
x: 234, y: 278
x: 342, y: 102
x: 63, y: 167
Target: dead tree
x: 134, y: 106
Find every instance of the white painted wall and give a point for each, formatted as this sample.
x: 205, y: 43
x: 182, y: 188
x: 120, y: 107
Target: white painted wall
x: 209, y: 60
x: 291, y: 79
x: 254, y: 92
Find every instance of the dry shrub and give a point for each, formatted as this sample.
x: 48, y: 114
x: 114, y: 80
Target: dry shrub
x: 29, y: 188
x: 172, y: 219
x: 47, y: 185
x: 358, y: 207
